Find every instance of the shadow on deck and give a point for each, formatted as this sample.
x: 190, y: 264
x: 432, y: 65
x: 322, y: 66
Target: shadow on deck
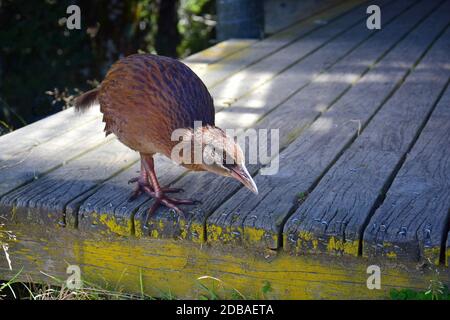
x: 363, y: 123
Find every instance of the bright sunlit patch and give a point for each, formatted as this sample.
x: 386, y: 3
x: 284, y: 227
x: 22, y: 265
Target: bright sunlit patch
x: 233, y: 120
x: 342, y: 78
x: 322, y: 124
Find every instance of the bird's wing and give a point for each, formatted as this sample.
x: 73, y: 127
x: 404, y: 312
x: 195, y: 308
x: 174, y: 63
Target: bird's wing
x: 194, y: 102
x: 146, y: 97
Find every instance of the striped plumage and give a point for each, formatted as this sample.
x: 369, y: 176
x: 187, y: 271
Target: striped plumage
x: 137, y: 110
x: 144, y: 98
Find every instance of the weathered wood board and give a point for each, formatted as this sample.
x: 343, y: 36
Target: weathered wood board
x: 305, y: 160
x: 44, y: 200
x: 234, y: 63
x: 334, y: 215
x: 200, y: 186
x: 19, y: 143
x: 362, y: 119
x: 41, y: 158
x: 257, y: 74
x: 413, y: 219
x: 167, y: 269
x: 217, y: 52
x: 281, y: 15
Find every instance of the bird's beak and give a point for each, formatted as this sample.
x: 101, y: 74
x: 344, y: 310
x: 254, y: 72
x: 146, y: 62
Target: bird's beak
x: 241, y: 174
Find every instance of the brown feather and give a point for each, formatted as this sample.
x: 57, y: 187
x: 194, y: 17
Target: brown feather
x: 86, y: 100
x: 145, y: 97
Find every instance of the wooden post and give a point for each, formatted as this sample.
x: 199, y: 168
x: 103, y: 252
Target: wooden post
x: 240, y: 19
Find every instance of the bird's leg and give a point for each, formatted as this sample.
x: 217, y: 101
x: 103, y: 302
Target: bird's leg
x: 158, y: 193
x: 142, y: 183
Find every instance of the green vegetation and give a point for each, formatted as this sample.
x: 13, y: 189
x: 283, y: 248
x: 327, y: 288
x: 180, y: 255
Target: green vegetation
x: 301, y: 197
x: 207, y: 288
x: 408, y: 294
x: 33, y: 291
x: 436, y: 289
x: 43, y: 64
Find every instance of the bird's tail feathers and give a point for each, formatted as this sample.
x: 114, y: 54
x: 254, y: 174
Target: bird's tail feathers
x: 86, y: 100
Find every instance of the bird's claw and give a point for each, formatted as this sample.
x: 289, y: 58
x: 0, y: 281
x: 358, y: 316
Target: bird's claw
x: 171, y: 203
x: 171, y: 190
x: 133, y: 180
x: 141, y: 187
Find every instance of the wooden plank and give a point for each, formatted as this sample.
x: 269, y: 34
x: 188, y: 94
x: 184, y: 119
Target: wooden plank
x: 200, y: 61
x: 333, y: 217
x: 234, y: 63
x: 412, y: 222
x: 166, y: 266
x: 239, y: 84
x: 42, y: 158
x: 257, y: 221
x: 201, y: 185
x: 254, y: 105
x: 280, y: 15
x: 74, y: 203
x: 218, y: 52
x: 163, y: 224
x: 20, y: 142
x: 108, y: 210
x: 44, y: 200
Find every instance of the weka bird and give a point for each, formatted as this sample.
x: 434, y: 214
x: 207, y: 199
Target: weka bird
x: 144, y: 98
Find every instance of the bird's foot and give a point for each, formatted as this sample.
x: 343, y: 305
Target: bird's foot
x: 144, y: 187
x: 141, y: 187
x: 171, y: 203
x: 171, y: 190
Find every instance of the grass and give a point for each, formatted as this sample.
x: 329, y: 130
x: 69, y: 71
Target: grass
x: 32, y: 291
x: 5, y: 237
x: 217, y: 290
x: 29, y: 290
x: 207, y: 288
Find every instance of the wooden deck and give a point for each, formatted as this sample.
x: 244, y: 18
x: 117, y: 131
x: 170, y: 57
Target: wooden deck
x: 364, y: 178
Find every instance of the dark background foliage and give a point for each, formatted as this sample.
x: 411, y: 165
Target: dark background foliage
x: 43, y: 65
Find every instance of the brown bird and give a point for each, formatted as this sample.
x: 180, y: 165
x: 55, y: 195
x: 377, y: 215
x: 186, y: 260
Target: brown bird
x: 144, y: 98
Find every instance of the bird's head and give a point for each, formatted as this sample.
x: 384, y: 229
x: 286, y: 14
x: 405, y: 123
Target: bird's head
x: 222, y: 155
